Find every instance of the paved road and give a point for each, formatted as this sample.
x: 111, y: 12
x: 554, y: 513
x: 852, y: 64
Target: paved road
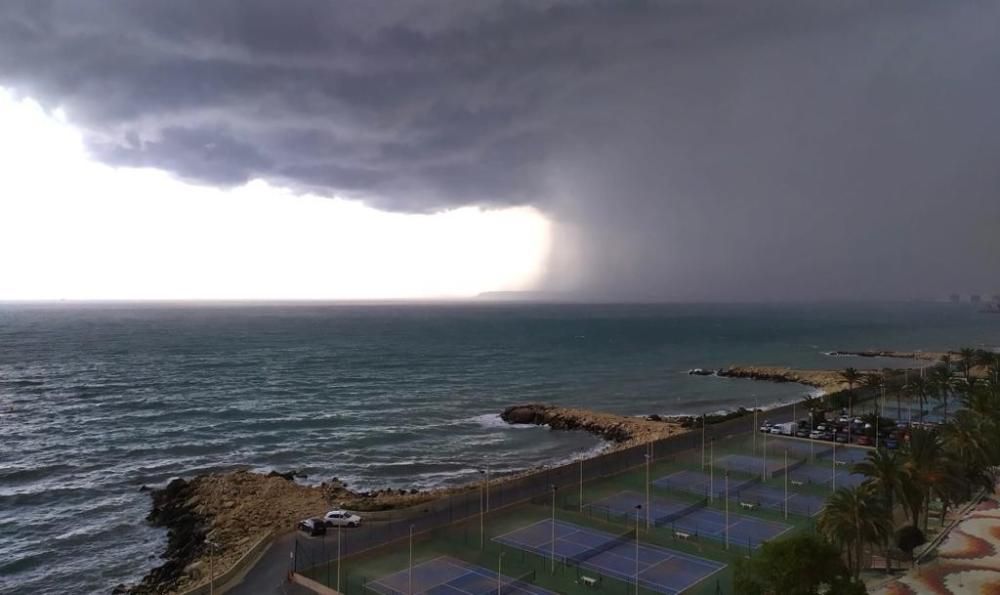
x: 269, y: 574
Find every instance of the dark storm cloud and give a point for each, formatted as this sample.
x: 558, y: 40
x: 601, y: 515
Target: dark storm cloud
x: 686, y: 149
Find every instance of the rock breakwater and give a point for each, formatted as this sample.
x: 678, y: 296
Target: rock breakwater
x: 620, y: 429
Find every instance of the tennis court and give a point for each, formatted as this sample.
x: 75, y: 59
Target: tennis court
x: 816, y: 475
x: 763, y: 496
x: 661, y: 510
x: 798, y: 449
x: 659, y: 569
x: 450, y: 576
x: 743, y: 530
x: 754, y: 465
x: 702, y: 484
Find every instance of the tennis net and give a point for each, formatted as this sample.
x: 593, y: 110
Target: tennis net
x: 521, y: 583
x: 684, y: 511
x: 601, y: 548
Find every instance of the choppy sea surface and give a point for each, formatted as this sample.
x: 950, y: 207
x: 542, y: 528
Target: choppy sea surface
x: 98, y: 400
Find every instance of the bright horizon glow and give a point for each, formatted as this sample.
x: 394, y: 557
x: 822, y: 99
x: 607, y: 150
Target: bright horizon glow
x: 72, y: 228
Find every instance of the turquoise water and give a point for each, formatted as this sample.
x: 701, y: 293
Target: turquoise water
x: 96, y: 401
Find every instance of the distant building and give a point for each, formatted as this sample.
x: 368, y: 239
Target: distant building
x: 955, y: 298
x: 975, y: 298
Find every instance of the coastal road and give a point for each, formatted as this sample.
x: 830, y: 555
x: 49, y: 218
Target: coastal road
x: 269, y: 576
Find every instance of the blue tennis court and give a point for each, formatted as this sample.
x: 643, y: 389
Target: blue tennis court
x: 848, y: 455
x: 661, y: 509
x: 798, y: 449
x: 450, y: 576
x: 754, y: 465
x: 701, y: 483
x: 823, y: 475
x: 762, y: 496
x: 659, y: 569
x: 743, y: 530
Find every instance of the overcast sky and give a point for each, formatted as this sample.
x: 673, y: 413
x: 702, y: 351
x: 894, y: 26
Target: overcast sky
x: 682, y: 149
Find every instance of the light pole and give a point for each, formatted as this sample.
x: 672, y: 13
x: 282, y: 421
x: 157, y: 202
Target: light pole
x: 702, y: 440
x: 552, y: 544
x: 339, y: 527
x: 786, y: 484
x: 727, y: 509
x: 711, y: 471
x: 763, y: 471
x: 409, y: 569
x: 834, y: 463
x: 638, y: 507
x: 482, y: 520
x: 581, y: 485
x: 211, y: 566
x: 647, y: 491
x: 756, y: 426
x: 499, y: 574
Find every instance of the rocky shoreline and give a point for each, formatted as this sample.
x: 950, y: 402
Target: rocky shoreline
x: 829, y: 381
x: 623, y: 430
x: 235, y: 510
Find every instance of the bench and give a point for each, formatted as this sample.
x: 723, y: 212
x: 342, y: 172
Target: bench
x: 589, y: 581
x: 797, y: 483
x: 748, y: 505
x: 682, y: 535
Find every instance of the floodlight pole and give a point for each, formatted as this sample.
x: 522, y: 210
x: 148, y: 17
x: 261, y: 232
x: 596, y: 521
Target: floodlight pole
x: 727, y: 509
x: 786, y: 484
x: 499, y: 574
x: 552, y: 543
x: 702, y: 440
x: 482, y: 521
x: 647, y: 491
x: 756, y: 426
x: 487, y: 487
x: 637, y: 552
x: 409, y: 570
x: 339, y: 527
x: 711, y: 471
x: 834, y: 464
x: 763, y: 472
x: 581, y: 485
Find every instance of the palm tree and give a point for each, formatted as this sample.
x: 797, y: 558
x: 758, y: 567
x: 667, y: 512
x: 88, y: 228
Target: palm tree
x: 853, y: 518
x: 968, y: 357
x: 919, y: 387
x: 851, y: 376
x: 883, y: 471
x: 942, y: 382
x: 926, y: 468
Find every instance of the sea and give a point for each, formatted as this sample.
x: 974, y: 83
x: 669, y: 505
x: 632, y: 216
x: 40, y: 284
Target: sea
x: 98, y: 400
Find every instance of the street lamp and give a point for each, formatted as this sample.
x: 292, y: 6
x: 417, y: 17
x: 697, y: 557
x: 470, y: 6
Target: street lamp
x: 638, y: 507
x: 211, y: 565
x: 500, y: 574
x: 647, y: 491
x: 409, y: 570
x: 552, y: 543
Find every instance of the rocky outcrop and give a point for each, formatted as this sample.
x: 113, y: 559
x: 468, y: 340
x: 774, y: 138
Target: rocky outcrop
x: 175, y: 508
x: 235, y: 510
x: 620, y: 429
x: 828, y: 380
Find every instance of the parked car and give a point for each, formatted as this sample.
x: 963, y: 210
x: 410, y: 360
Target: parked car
x: 802, y: 433
x: 341, y: 518
x: 766, y: 427
x: 841, y: 438
x: 816, y: 435
x: 828, y: 435
x: 313, y: 527
x: 864, y: 440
